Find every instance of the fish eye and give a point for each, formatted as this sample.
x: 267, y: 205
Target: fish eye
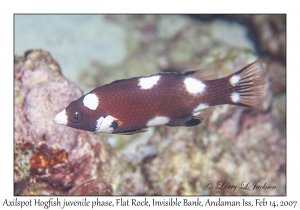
x: 76, y: 117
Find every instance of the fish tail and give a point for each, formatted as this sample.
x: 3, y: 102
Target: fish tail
x: 249, y: 86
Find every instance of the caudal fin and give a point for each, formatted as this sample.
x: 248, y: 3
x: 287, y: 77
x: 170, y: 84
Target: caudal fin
x: 249, y: 85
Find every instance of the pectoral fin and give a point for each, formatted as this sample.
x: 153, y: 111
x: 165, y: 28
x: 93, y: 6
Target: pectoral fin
x: 132, y: 132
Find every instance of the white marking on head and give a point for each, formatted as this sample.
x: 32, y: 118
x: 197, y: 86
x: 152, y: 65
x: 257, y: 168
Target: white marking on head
x: 194, y: 86
x: 234, y: 80
x: 158, y: 120
x: 235, y: 97
x: 91, y: 101
x: 61, y: 118
x: 199, y: 109
x: 148, y: 82
x: 103, y: 124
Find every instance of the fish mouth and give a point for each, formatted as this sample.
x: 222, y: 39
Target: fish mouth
x: 61, y: 118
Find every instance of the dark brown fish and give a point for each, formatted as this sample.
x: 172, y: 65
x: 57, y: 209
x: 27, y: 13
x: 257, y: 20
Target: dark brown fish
x: 130, y: 106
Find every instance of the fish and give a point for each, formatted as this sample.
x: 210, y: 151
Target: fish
x: 131, y: 106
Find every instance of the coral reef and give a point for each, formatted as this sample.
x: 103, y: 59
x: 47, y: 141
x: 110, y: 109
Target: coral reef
x: 270, y: 31
x: 51, y: 159
x: 93, y: 187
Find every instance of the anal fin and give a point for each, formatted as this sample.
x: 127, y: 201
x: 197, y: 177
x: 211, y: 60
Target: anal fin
x: 198, y: 117
x: 204, y: 113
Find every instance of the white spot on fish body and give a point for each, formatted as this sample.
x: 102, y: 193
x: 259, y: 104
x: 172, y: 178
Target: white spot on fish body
x: 194, y: 86
x: 61, y: 118
x: 234, y: 80
x: 148, y: 82
x: 158, y: 120
x: 199, y: 109
x: 103, y: 124
x: 91, y: 101
x: 235, y: 97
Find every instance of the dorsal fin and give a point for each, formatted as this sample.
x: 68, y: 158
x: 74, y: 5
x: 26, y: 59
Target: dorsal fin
x: 204, y: 74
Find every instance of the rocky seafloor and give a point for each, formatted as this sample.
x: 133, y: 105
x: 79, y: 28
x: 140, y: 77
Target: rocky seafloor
x: 235, y: 146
